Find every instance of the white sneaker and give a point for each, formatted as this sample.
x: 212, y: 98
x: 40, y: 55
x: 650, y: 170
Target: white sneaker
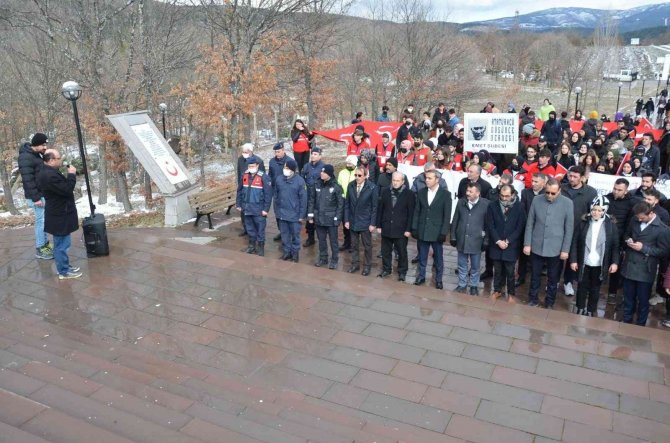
x: 568, y: 289
x: 656, y: 299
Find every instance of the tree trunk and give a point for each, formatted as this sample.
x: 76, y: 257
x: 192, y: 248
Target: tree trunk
x: 7, y: 188
x: 309, y: 97
x: 102, y: 174
x: 148, y: 196
x: 203, y: 151
x: 122, y: 191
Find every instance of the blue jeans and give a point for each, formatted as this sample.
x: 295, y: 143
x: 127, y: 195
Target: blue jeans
x: 474, y: 260
x: 290, y: 236
x: 636, y: 298
x: 424, y: 247
x: 61, y: 245
x: 255, y: 225
x: 41, y: 238
x: 554, y: 269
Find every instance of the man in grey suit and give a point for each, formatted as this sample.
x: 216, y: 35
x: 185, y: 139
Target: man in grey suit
x: 547, y: 240
x: 646, y: 242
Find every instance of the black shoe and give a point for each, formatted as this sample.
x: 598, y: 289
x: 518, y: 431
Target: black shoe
x: 384, y: 274
x: 419, y: 281
x: 366, y: 272
x: 242, y: 234
x: 321, y: 263
x: 401, y: 277
x: 309, y: 242
x: 260, y: 249
x: 438, y: 285
x: 461, y: 289
x: 276, y: 237
x: 415, y: 260
x: 285, y: 256
x: 332, y: 265
x: 353, y: 269
x: 548, y: 306
x: 519, y: 281
x: 295, y: 257
x: 486, y: 275
x: 474, y: 290
x: 251, y: 249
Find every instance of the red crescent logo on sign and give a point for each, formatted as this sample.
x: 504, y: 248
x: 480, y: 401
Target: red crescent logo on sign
x: 172, y: 170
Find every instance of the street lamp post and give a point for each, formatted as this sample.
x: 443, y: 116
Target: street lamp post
x: 95, y: 231
x: 617, y: 98
x: 578, y: 90
x: 163, y: 108
x: 72, y: 91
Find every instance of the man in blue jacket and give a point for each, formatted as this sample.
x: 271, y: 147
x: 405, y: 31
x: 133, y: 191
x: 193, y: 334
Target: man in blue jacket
x: 275, y: 169
x: 290, y: 209
x: 311, y: 172
x: 360, y: 217
x: 254, y: 197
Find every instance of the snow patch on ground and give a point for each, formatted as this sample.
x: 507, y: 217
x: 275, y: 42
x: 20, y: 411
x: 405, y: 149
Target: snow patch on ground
x: 111, y: 207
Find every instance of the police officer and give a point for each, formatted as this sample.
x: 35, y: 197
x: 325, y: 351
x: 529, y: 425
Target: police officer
x: 325, y: 209
x: 290, y: 209
x: 254, y: 197
x: 276, y: 166
x: 311, y: 173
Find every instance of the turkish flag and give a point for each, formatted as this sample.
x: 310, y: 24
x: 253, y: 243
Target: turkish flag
x: 373, y: 129
x: 626, y: 158
x: 560, y: 172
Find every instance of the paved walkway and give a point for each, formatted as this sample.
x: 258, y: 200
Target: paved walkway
x: 168, y: 340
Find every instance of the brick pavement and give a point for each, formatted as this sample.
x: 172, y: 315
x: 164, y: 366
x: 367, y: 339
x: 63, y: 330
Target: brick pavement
x: 169, y: 341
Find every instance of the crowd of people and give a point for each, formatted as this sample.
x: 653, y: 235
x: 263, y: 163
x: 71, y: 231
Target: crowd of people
x: 557, y: 225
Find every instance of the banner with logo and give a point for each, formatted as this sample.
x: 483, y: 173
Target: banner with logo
x: 373, y: 129
x: 495, y: 133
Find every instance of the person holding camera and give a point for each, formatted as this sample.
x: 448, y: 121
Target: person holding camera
x: 60, y: 211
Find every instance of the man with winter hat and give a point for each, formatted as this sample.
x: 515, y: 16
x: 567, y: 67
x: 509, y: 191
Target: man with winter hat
x: 290, y: 209
x: 311, y: 173
x: 385, y: 178
x: 325, y: 209
x: 254, y: 197
x: 30, y: 163
x: 276, y: 166
x: 594, y: 254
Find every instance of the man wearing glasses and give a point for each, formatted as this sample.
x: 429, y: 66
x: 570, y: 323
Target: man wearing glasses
x: 547, y: 239
x: 60, y: 212
x: 360, y: 217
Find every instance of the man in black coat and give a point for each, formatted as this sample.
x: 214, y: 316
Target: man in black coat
x: 394, y: 223
x: 646, y: 242
x: 247, y: 151
x: 360, y: 217
x: 430, y: 226
x: 325, y: 209
x: 30, y: 162
x: 384, y: 179
x: 621, y: 210
x: 505, y: 224
x: 60, y: 210
x: 474, y: 176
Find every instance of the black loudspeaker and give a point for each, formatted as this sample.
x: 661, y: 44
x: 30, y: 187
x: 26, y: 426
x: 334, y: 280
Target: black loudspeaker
x: 95, y: 235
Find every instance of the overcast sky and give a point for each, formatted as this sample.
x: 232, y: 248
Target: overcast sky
x: 462, y: 11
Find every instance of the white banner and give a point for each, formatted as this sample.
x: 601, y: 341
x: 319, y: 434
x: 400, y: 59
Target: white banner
x: 453, y: 178
x: 496, y: 133
x: 605, y: 182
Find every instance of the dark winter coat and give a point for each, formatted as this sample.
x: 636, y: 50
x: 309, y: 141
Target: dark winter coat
x: 581, y: 199
x: 326, y: 203
x: 242, y: 167
x: 311, y: 172
x: 527, y: 196
x: 463, y: 184
x: 431, y: 223
x: 500, y: 227
x: 651, y: 160
x: 384, y: 181
x: 552, y: 131
x: 361, y: 211
x: 290, y: 198
x: 276, y: 168
x: 254, y: 193
x: 468, y: 226
x: 611, y: 254
x: 30, y: 162
x: 641, y: 265
x: 437, y: 115
x: 395, y: 220
x: 621, y: 211
x: 60, y: 212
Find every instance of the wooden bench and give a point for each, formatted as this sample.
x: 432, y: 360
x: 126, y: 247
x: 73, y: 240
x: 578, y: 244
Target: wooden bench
x: 209, y: 201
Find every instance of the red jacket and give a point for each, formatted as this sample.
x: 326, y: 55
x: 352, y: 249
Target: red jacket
x: 302, y: 144
x: 457, y: 164
x: 384, y: 153
x: 354, y: 149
